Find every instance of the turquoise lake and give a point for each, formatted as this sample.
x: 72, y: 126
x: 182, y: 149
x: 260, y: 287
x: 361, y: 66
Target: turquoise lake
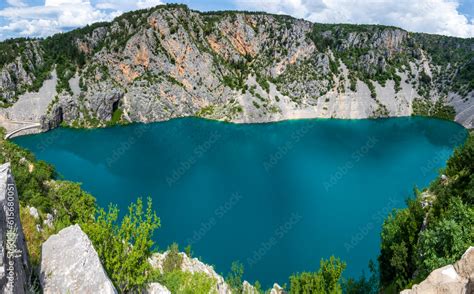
x: 278, y: 197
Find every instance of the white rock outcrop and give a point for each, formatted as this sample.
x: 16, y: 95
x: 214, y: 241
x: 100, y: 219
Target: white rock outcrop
x: 277, y: 289
x: 193, y: 265
x: 156, y: 288
x: 69, y: 264
x: 457, y: 278
x: 247, y: 288
x: 33, y: 212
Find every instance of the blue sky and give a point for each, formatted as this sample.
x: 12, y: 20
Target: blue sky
x: 40, y: 18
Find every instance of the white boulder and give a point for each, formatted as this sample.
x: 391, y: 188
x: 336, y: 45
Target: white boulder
x: 69, y: 264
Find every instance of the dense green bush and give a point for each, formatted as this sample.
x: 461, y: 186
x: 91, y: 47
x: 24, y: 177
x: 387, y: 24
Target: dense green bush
x: 173, y: 259
x: 180, y: 282
x: 325, y: 280
x: 410, y: 251
x: 76, y: 206
x: 364, y: 285
x: 398, y: 253
x: 234, y: 278
x: 446, y: 239
x: 125, y: 246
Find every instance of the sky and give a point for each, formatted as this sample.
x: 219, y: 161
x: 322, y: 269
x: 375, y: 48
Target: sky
x: 41, y: 18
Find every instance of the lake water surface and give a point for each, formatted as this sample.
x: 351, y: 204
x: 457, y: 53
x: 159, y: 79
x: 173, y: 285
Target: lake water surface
x: 278, y: 197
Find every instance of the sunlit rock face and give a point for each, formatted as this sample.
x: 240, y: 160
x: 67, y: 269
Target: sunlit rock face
x: 69, y: 264
x: 457, y: 278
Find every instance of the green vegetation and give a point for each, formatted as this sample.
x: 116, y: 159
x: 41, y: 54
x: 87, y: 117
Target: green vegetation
x: 409, y: 251
x: 180, y: 282
x: 116, y: 117
x: 450, y: 53
x: 173, y: 259
x: 454, y: 56
x: 11, y: 49
x: 78, y: 206
x: 34, y: 238
x: 326, y: 280
x: 363, y: 285
x: 124, y: 247
x: 333, y: 36
x: 234, y: 278
x: 426, y: 107
x: 206, y: 111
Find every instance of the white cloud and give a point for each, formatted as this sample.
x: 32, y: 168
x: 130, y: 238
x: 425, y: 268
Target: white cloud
x: 430, y: 16
x: 59, y: 15
x: 148, y: 3
x: 125, y: 5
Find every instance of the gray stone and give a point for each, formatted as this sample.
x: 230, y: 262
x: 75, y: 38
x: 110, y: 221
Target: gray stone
x: 69, y: 264
x: 49, y: 221
x: 457, y: 278
x: 15, y: 270
x: 156, y: 288
x: 33, y: 212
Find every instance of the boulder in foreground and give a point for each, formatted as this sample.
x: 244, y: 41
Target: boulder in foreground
x: 70, y: 264
x: 457, y: 278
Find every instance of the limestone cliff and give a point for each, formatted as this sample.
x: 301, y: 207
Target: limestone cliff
x: 170, y: 61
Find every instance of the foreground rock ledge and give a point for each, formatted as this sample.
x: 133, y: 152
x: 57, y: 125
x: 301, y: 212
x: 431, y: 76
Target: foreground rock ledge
x: 457, y: 278
x: 193, y: 265
x: 69, y: 264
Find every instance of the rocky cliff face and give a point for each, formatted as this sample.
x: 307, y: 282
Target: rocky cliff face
x: 19, y: 62
x: 457, y: 278
x: 169, y: 61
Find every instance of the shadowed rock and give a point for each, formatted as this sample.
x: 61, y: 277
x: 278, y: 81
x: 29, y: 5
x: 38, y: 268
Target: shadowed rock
x: 14, y: 266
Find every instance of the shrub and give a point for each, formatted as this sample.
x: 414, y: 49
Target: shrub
x: 124, y: 248
x: 326, y: 280
x: 187, y: 283
x: 173, y: 259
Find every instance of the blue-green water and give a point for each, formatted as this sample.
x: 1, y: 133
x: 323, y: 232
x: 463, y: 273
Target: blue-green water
x: 278, y: 197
